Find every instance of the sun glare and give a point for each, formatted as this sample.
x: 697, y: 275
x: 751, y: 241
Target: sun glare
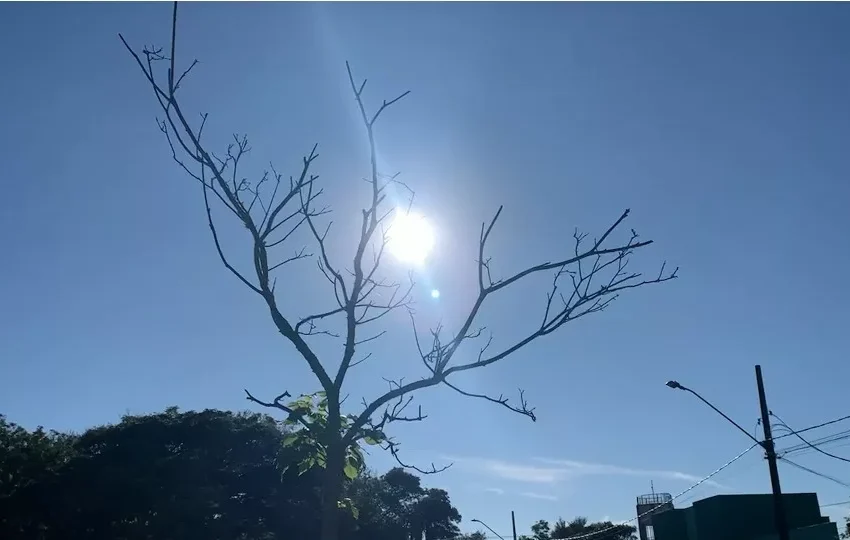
x: 410, y: 238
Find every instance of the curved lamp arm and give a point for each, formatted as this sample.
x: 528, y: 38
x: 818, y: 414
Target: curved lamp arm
x: 488, y: 527
x: 676, y: 386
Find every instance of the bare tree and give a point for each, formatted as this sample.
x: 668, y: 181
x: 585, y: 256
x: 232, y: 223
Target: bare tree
x: 272, y: 209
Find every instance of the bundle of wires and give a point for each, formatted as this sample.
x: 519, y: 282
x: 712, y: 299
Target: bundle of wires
x: 834, y: 440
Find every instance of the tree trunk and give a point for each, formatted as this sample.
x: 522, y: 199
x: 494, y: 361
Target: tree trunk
x: 332, y: 492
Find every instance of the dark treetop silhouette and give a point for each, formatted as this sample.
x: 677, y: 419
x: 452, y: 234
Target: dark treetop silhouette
x: 580, y: 528
x: 212, y: 474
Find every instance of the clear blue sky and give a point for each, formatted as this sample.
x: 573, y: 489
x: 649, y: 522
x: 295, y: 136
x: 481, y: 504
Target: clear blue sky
x: 724, y: 127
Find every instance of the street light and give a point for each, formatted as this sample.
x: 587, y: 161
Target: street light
x: 766, y: 444
x: 676, y: 386
x: 488, y: 527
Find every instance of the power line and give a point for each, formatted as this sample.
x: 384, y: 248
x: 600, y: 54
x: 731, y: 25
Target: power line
x: 654, y: 508
x: 810, y: 428
x: 825, y: 439
x: 487, y: 536
x: 810, y: 444
x: 795, y: 448
x: 490, y: 537
x: 822, y: 441
x: 807, y: 450
x: 791, y: 432
x: 814, y: 472
x: 824, y: 452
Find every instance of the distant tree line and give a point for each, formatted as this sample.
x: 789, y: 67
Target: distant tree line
x: 580, y: 527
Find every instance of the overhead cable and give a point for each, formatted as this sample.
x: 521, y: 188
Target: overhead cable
x: 654, y: 508
x: 824, y: 424
x: 824, y: 452
x: 814, y: 472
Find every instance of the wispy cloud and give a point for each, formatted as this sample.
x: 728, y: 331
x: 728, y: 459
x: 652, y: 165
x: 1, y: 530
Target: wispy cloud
x: 510, y: 471
x: 497, y: 491
x: 584, y: 468
x: 532, y: 495
x: 527, y: 473
x: 555, y: 470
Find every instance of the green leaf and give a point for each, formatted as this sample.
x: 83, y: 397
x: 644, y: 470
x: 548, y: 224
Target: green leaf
x: 373, y: 436
x: 354, y: 457
x: 290, y: 439
x: 304, y: 402
x: 350, y: 471
x: 347, y: 504
x: 305, y: 465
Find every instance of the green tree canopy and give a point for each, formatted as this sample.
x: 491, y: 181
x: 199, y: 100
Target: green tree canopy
x: 602, y: 530
x: 187, y: 475
x: 27, y: 457
x: 395, y: 506
x: 539, y: 531
x: 580, y: 526
x: 177, y: 475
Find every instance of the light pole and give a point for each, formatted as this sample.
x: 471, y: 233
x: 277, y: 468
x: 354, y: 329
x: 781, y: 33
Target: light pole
x: 676, y: 386
x: 488, y: 527
x: 767, y: 444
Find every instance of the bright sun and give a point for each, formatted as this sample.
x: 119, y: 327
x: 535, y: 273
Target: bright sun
x: 410, y: 238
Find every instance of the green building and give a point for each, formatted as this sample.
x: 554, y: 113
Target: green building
x: 743, y: 517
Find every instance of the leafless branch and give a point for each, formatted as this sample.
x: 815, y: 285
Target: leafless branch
x: 353, y: 300
x: 392, y: 447
x: 395, y: 412
x: 358, y: 362
x: 522, y: 408
x: 371, y: 338
x: 272, y: 209
x: 276, y: 404
x: 299, y: 255
x: 220, y: 175
x: 580, y: 299
x: 309, y: 328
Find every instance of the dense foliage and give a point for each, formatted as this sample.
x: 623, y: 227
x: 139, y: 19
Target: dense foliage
x: 209, y: 474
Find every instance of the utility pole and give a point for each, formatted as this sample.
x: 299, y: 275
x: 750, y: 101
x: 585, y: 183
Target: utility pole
x: 767, y: 444
x: 513, y: 524
x: 770, y: 451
